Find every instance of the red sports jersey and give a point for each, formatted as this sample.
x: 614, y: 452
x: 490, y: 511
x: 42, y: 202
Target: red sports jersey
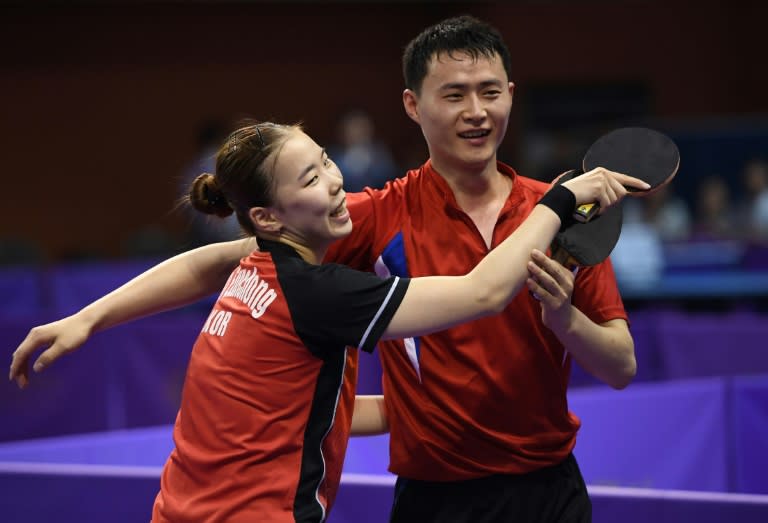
x: 267, y: 402
x: 488, y: 396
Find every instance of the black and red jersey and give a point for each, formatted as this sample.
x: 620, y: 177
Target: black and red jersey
x: 267, y: 402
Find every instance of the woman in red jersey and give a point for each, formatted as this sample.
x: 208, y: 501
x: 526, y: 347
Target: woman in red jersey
x: 268, y: 400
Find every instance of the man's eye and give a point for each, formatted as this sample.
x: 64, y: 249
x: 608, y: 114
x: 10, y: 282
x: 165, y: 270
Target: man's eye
x: 492, y: 94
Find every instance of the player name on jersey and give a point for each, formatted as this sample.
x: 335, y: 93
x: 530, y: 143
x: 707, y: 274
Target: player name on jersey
x: 246, y: 286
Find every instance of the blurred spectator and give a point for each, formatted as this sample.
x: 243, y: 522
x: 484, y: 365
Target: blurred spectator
x: 753, y: 210
x: 549, y: 154
x: 204, y: 229
x: 667, y: 213
x: 714, y: 214
x: 638, y: 257
x: 364, y: 161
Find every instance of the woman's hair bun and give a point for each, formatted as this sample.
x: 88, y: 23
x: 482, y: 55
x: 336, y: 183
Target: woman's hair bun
x: 206, y: 196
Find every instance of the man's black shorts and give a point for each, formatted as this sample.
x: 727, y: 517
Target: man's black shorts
x: 549, y: 495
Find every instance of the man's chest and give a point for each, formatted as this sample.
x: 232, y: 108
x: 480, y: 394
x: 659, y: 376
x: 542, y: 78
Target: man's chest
x: 449, y: 244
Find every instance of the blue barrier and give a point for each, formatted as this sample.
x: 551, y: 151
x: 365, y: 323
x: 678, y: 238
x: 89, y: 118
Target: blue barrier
x: 705, y: 435
x: 88, y: 479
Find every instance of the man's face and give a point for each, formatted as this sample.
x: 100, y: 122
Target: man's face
x: 463, y: 110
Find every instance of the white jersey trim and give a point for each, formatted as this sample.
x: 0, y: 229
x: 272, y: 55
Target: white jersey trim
x: 379, y: 312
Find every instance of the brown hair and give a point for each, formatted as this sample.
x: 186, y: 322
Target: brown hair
x: 244, y: 175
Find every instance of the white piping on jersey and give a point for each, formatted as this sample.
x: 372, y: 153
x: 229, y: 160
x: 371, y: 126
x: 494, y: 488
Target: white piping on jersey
x: 410, y: 349
x: 333, y: 419
x: 381, y: 269
x: 378, y: 312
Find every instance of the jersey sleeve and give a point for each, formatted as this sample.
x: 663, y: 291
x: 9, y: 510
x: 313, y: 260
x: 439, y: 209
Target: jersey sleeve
x: 335, y: 306
x: 596, y: 293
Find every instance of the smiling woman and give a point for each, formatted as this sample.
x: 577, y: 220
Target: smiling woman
x: 281, y: 185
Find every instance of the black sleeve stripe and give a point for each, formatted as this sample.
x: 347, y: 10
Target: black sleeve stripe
x: 383, y: 306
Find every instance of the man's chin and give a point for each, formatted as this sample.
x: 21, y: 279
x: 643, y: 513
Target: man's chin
x: 478, y: 162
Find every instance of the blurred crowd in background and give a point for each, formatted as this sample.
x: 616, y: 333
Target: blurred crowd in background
x: 704, y: 219
x: 362, y: 157
x: 710, y: 220
x: 121, y: 124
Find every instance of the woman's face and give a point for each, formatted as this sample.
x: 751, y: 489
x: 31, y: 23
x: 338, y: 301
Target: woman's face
x: 309, y: 197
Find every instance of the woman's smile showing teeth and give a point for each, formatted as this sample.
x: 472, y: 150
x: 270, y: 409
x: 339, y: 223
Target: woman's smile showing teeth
x: 341, y: 210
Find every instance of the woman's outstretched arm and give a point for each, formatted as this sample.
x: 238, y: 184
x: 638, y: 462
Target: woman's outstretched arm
x: 176, y: 282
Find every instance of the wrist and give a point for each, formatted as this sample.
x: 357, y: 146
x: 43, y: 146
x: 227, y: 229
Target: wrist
x: 562, y: 202
x: 90, y: 319
x: 561, y: 323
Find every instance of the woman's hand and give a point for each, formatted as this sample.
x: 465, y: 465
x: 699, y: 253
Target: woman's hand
x: 58, y: 338
x: 602, y: 186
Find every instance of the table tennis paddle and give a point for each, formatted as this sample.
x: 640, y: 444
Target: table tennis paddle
x: 635, y: 151
x: 583, y: 244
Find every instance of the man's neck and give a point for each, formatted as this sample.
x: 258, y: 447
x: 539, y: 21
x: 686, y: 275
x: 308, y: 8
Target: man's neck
x: 478, y: 187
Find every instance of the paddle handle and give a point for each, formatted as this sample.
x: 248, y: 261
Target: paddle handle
x: 563, y: 257
x: 586, y: 212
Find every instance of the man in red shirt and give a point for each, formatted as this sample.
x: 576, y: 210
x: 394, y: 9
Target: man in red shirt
x: 479, y: 421
x: 480, y: 428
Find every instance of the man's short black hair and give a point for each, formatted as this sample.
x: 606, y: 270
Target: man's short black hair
x: 460, y: 34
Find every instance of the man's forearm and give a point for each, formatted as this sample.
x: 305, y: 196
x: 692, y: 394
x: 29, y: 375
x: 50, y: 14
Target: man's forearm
x: 369, y: 417
x: 606, y: 350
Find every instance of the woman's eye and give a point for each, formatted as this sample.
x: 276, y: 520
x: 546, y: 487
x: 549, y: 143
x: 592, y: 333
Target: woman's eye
x: 311, y: 181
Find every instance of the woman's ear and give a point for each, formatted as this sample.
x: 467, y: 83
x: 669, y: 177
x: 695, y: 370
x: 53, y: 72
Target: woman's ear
x: 264, y: 220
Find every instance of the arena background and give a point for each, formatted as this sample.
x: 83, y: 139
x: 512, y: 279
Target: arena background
x: 104, y: 105
x: 102, y: 100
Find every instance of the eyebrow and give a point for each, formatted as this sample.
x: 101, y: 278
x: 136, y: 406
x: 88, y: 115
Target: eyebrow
x: 462, y: 86
x: 311, y: 166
